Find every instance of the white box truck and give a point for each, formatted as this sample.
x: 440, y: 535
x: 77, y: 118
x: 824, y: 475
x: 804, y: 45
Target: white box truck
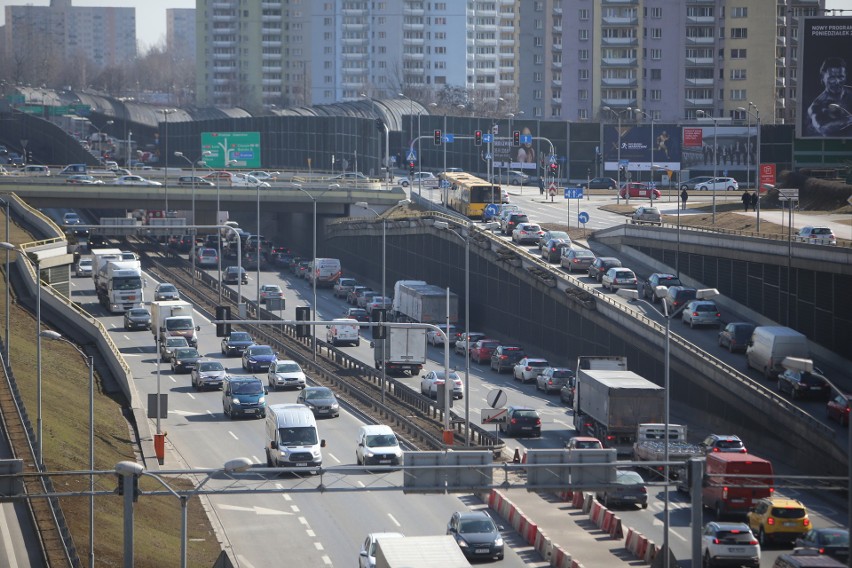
x: 173, y: 318
x: 419, y: 552
x: 424, y: 303
x: 403, y: 352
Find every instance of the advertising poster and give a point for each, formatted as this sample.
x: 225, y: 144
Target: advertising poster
x: 642, y: 146
x: 824, y: 83
x: 734, y: 148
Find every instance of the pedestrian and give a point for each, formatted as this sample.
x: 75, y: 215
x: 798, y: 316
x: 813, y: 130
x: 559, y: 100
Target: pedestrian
x: 746, y: 199
x: 540, y: 185
x: 683, y: 197
x: 754, y: 201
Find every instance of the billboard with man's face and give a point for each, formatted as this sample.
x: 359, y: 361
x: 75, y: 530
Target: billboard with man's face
x: 825, y: 64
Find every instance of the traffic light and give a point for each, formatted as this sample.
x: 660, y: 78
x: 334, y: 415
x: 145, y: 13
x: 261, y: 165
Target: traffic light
x: 120, y: 488
x: 516, y: 138
x: 477, y: 138
x: 438, y: 139
x: 223, y: 313
x: 411, y: 167
x: 303, y: 313
x: 554, y: 169
x: 379, y: 315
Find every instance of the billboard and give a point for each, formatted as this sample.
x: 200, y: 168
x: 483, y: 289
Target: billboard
x: 734, y: 148
x: 825, y: 109
x: 231, y: 149
x: 641, y: 146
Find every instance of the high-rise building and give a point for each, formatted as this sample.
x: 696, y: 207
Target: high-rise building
x: 180, y: 33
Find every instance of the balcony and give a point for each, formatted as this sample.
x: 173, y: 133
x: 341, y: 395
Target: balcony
x: 700, y: 82
x: 556, y: 100
x: 703, y: 103
x: 623, y: 2
x: 619, y: 102
x: 619, y: 41
x: 224, y: 43
x: 270, y: 82
x: 556, y: 82
x: 556, y: 65
x: 413, y: 41
x: 557, y: 28
x: 414, y: 56
x: 224, y: 17
x: 269, y: 56
x: 271, y: 69
x: 271, y: 18
x: 356, y: 27
x: 619, y: 61
x: 700, y: 40
x: 700, y: 61
x: 223, y: 5
x: 353, y: 12
x: 556, y: 47
x: 620, y: 20
x: 354, y: 41
x: 780, y: 62
x: 780, y: 82
x: 612, y: 82
x: 217, y: 31
x: 224, y: 56
x: 411, y: 11
x: 270, y: 43
x: 700, y: 20
x: 352, y: 56
x: 413, y: 27
x: 557, y: 10
x: 781, y: 41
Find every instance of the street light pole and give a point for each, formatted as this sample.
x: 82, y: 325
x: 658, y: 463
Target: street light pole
x: 8, y: 306
x: 166, y: 112
x: 757, y: 156
x: 715, y: 120
x: 618, y: 114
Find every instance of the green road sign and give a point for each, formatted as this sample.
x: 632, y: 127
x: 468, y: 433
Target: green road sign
x: 231, y: 149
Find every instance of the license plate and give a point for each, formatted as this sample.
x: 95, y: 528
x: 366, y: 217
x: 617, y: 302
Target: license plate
x: 526, y: 428
x: 737, y: 500
x: 322, y: 410
x: 482, y: 550
x: 384, y: 461
x: 736, y: 549
x: 816, y: 388
x: 251, y: 410
x: 629, y: 498
x: 790, y: 524
x: 302, y: 464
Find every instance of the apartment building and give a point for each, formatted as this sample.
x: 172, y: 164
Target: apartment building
x: 180, y: 32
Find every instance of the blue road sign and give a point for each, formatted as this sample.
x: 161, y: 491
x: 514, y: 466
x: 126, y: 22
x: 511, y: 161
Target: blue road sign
x: 449, y: 138
x: 444, y: 184
x: 526, y: 138
x: 487, y: 138
x: 583, y: 217
x: 488, y: 156
x: 491, y: 210
x: 551, y: 159
x: 624, y: 163
x: 412, y: 155
x: 573, y: 193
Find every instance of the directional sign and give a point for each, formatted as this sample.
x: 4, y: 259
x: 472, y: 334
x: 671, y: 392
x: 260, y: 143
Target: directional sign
x: 449, y: 138
x: 624, y: 163
x: 573, y: 193
x: 551, y: 159
x: 526, y: 138
x: 583, y: 217
x: 788, y: 194
x: 494, y: 415
x: 496, y: 398
x: 412, y: 155
x: 491, y: 210
x: 487, y: 138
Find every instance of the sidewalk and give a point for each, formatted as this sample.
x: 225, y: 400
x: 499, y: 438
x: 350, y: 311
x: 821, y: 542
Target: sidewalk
x: 833, y: 220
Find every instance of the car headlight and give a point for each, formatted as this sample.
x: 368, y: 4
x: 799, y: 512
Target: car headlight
x: 261, y: 400
x: 498, y: 542
x: 252, y: 361
x: 235, y: 401
x: 316, y: 454
x: 369, y: 454
x: 335, y: 405
x: 462, y: 542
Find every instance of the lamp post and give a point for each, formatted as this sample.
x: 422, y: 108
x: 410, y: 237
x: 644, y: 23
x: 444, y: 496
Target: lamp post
x: 194, y: 222
x: 129, y: 139
x: 756, y: 115
x: 313, y: 268
x: 166, y: 112
x: 8, y: 317
x: 100, y: 134
x: 660, y: 292
x: 715, y: 158
x: 618, y: 115
x: 90, y: 362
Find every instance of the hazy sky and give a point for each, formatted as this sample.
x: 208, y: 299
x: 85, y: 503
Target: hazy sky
x: 151, y: 14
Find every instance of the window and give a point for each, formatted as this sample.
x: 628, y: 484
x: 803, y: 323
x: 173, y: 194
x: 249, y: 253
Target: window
x: 739, y: 33
x: 656, y: 94
x: 656, y: 54
x: 738, y: 94
x: 538, y: 94
x: 739, y: 12
x: 538, y: 59
x: 738, y: 74
x: 584, y: 35
x: 583, y: 54
x: 583, y: 14
x: 583, y: 94
x: 656, y: 74
x: 538, y: 41
x: 738, y: 54
x: 656, y: 13
x: 583, y: 74
x: 656, y: 33
x: 582, y: 114
x: 539, y: 6
x: 538, y: 24
x: 538, y: 77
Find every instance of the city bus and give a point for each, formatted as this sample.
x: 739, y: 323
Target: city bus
x: 468, y: 194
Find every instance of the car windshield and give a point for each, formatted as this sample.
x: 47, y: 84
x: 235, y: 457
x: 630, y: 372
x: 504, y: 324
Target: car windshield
x: 318, y: 394
x: 240, y: 336
x: 139, y: 312
x: 176, y: 342
x: 563, y: 374
x: 298, y: 436
x: 288, y: 368
x: 211, y: 366
x: 705, y: 308
x: 834, y: 537
x: 247, y: 387
x: 186, y: 353
x: 381, y: 441
x: 181, y: 324
x: 167, y: 288
x: 729, y: 444
x: 262, y: 350
x: 583, y: 253
x: 587, y: 444
x: 628, y: 478
x: 477, y: 526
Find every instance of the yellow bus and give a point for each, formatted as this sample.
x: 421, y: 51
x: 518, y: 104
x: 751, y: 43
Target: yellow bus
x: 469, y: 194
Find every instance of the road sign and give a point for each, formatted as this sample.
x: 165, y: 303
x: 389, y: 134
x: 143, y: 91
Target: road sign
x: 412, y: 155
x: 573, y: 193
x: 496, y: 398
x: 491, y: 209
x: 488, y: 156
x: 788, y: 194
x: 526, y: 138
x: 551, y: 159
x: 487, y: 138
x: 449, y: 138
x: 583, y: 217
x: 227, y: 147
x: 494, y: 415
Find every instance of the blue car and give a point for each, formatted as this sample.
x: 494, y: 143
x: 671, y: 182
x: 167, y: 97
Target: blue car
x: 258, y: 358
x: 243, y: 396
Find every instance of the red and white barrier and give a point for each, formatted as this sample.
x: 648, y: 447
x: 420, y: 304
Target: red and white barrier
x: 577, y: 499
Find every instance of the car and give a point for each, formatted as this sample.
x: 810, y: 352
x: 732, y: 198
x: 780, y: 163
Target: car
x: 365, y: 298
x: 207, y: 257
x: 482, y: 350
x: 427, y: 179
x: 356, y: 293
x: 461, y: 343
x: 258, y: 357
x: 552, y: 379
x: 234, y: 275
x: 511, y: 177
x: 194, y: 181
x: 566, y: 393
x: 378, y: 303
x: 285, y: 374
x: 270, y: 291
x: 184, y: 359
x: 528, y: 368
x: 302, y: 269
x: 430, y: 381
x: 84, y: 267
x: 629, y: 490
x: 168, y: 346
x: 435, y: 339
x: 476, y: 534
x: 235, y: 343
x: 512, y: 220
x: 320, y: 400
x: 359, y: 314
x: 554, y: 249
x: 649, y: 215
x: 655, y: 280
x: 265, y: 176
x: 600, y: 266
x: 701, y: 312
x: 576, y: 258
x: 718, y: 184
x: 729, y: 544
x: 166, y: 291
x: 243, y: 396
x: 376, y: 444
x: 137, y: 318
x: 677, y: 296
x: 506, y: 357
x: 830, y: 541
x: 221, y: 176
x: 521, y: 421
x: 616, y: 278
x: 207, y: 374
x: 638, y: 189
x: 367, y: 554
x: 70, y: 218
x: 778, y: 519
x: 838, y: 408
x: 601, y: 183
x: 723, y: 443
x: 692, y: 182
x: 526, y: 233
x: 246, y: 180
x: 583, y: 443
x: 804, y: 384
x: 548, y: 235
x: 351, y: 176
x: 816, y: 235
x: 343, y: 286
x: 136, y: 181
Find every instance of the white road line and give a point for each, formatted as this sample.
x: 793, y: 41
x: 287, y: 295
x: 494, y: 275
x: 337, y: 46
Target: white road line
x: 318, y: 546
x: 394, y: 521
x: 173, y: 379
x: 361, y: 484
x: 191, y: 396
x: 294, y: 508
x: 303, y: 521
x: 234, y: 436
x: 311, y: 533
x: 210, y: 412
x: 287, y: 497
x: 253, y: 457
x: 326, y: 560
x: 332, y: 456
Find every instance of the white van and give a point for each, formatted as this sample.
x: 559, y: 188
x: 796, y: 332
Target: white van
x: 377, y: 445
x: 769, y: 345
x: 292, y: 439
x: 343, y: 330
x: 327, y: 271
x: 35, y: 171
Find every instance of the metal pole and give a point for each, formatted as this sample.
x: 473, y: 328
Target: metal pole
x: 8, y: 318
x: 219, y: 242
x: 257, y: 256
x: 448, y: 388
x: 183, y: 544
x: 666, y: 411
x: 159, y: 360
x: 384, y: 277
x: 91, y: 361
x: 748, y: 148
x: 128, y: 519
x: 618, y: 165
x: 166, y: 162
x: 314, y: 280
x: 419, y: 160
x: 467, y: 336
x: 789, y: 254
x: 715, y: 161
x: 757, y: 176
x: 40, y: 455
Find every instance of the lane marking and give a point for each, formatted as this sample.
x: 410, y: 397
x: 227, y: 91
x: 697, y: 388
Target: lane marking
x: 294, y: 508
x: 326, y: 560
x: 318, y: 546
x: 234, y: 436
x: 303, y: 521
x: 310, y: 533
x: 393, y: 520
x: 332, y: 456
x: 191, y: 395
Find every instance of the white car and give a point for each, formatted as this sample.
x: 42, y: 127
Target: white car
x: 527, y: 233
x: 461, y: 343
x: 379, y: 303
x: 268, y: 291
x: 729, y: 544
x: 207, y: 257
x: 285, y: 374
x: 135, y: 180
x: 84, y: 267
x: 430, y: 381
x: 529, y: 368
x: 265, y: 176
x: 616, y: 278
x: 247, y: 180
x: 512, y: 177
x: 718, y: 184
x: 433, y: 338
x: 427, y: 179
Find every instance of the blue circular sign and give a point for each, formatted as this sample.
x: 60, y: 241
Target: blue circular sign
x: 583, y: 217
x: 491, y: 210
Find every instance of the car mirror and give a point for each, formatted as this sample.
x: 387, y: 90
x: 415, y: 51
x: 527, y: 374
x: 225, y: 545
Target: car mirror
x: 322, y: 443
x: 363, y: 554
x: 273, y: 444
x: 197, y: 328
x: 265, y: 390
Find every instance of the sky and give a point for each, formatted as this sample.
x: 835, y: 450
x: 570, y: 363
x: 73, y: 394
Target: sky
x: 151, y: 14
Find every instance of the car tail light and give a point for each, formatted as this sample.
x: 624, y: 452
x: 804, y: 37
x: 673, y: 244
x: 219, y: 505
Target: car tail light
x: 695, y: 314
x: 770, y: 521
x: 716, y: 449
x: 538, y: 423
x: 504, y: 357
x: 527, y: 368
x: 552, y: 249
x: 717, y: 541
x: 718, y: 315
x: 753, y: 542
x: 822, y: 551
x: 514, y: 420
x: 644, y: 489
x: 806, y: 522
x: 724, y: 493
x: 575, y: 261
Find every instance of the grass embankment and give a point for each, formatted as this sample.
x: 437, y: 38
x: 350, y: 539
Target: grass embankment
x: 65, y: 419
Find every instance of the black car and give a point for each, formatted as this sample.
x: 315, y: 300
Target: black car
x: 832, y: 542
x: 232, y: 273
x: 359, y: 314
x: 236, y: 343
x: 476, y: 534
x: 506, y: 357
x: 601, y: 265
x: 320, y: 400
x: 658, y: 279
x: 602, y: 183
x: 137, y: 318
x: 184, y: 359
x: 802, y: 384
x: 735, y: 336
x: 521, y: 421
x: 552, y: 251
x: 629, y: 489
x: 513, y: 220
